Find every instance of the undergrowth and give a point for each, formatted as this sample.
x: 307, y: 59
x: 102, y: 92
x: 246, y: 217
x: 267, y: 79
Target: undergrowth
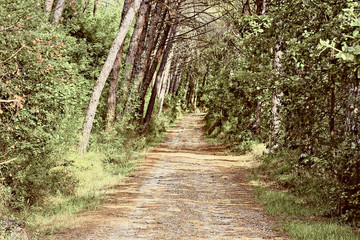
x: 90, y: 176
x: 299, y: 199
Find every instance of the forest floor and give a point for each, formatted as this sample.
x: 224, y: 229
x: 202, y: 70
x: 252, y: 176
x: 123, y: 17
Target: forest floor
x: 185, y: 188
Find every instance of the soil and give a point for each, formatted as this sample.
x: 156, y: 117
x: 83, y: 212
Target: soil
x: 185, y: 188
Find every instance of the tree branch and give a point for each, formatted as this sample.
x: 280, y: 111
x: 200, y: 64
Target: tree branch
x: 8, y: 161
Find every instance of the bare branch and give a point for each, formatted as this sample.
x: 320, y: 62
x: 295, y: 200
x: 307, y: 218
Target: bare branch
x: 8, y: 161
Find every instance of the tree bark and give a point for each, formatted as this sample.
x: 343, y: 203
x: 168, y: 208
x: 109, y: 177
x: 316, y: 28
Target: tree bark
x: 85, y: 5
x: 99, y: 85
x: 112, y: 95
x: 164, y: 86
x: 59, y: 8
x: 134, y: 50
x: 332, y: 112
x: 276, y: 100
x: 151, y: 40
x: 165, y: 81
x: 149, y: 75
x: 95, y: 7
x: 164, y: 60
x: 178, y: 77
x: 48, y: 6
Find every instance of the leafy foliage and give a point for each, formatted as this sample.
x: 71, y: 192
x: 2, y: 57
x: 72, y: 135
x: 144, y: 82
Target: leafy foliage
x: 316, y: 85
x: 46, y: 75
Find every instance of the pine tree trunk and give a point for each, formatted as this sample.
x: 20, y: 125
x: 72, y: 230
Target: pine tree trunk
x: 178, y: 77
x: 332, y: 112
x: 114, y: 81
x: 134, y: 49
x: 151, y: 40
x: 164, y: 60
x: 99, y: 85
x: 165, y: 82
x: 149, y: 75
x: 276, y: 101
x: 95, y: 7
x: 85, y: 5
x: 48, y: 6
x: 59, y: 8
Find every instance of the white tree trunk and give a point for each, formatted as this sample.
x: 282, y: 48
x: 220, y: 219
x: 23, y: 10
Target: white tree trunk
x: 104, y: 74
x: 276, y: 99
x: 59, y: 8
x: 48, y: 5
x: 166, y: 82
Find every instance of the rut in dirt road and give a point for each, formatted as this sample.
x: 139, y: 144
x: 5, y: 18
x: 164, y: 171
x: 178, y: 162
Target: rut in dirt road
x: 184, y: 189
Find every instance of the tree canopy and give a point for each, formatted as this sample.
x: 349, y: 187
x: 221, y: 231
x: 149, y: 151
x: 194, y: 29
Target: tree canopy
x: 281, y: 72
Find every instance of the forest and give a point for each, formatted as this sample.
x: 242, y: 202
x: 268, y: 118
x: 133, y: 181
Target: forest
x: 91, y: 83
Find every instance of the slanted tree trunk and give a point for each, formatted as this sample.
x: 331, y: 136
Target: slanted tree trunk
x: 111, y: 104
x: 104, y: 74
x: 133, y: 50
x: 95, y: 7
x: 85, y: 5
x: 164, y: 60
x: 48, y: 6
x: 173, y: 71
x: 165, y: 81
x: 178, y: 77
x: 59, y: 8
x: 158, y: 16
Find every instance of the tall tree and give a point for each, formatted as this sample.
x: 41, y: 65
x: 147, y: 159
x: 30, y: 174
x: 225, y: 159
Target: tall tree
x: 59, y: 8
x: 169, y: 46
x: 114, y: 80
x: 49, y: 5
x: 99, y: 85
x: 134, y: 47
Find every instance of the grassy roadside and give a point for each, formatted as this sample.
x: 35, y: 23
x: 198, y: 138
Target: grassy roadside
x: 95, y: 177
x: 296, y: 216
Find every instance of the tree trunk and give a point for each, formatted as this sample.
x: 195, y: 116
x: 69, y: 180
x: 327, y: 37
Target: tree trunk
x: 111, y: 105
x: 134, y: 49
x: 193, y: 94
x: 164, y: 60
x: 177, y: 80
x: 99, y: 85
x: 151, y: 40
x: 173, y: 72
x: 85, y: 5
x: 95, y: 7
x: 276, y: 101
x: 165, y: 81
x: 258, y: 117
x: 48, y: 6
x: 59, y: 8
x: 332, y: 112
x: 149, y: 75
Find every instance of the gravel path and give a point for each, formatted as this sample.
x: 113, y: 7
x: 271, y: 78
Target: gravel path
x: 184, y: 189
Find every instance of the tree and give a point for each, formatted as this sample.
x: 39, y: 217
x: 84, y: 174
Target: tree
x: 114, y: 80
x: 59, y: 8
x: 99, y: 85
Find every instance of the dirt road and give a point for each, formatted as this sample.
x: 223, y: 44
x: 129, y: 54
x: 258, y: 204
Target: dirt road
x: 184, y: 189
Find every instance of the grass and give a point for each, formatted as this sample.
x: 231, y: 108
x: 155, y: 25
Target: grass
x: 96, y: 176
x: 320, y: 231
x: 298, y: 218
x: 284, y: 204
x: 95, y: 181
